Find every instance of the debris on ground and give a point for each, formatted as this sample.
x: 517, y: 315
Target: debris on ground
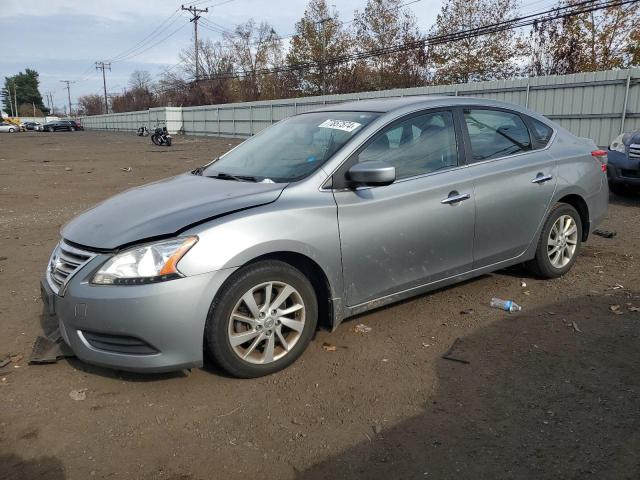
x: 448, y: 355
x: 361, y: 328
x: 328, y: 347
x: 50, y: 349
x: 616, y: 309
x: 506, y: 305
x: 575, y: 327
x: 604, y: 233
x: 126, y: 169
x: 78, y: 395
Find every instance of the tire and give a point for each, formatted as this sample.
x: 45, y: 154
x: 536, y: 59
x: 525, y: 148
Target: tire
x: 558, y: 236
x: 251, y: 358
x: 154, y: 139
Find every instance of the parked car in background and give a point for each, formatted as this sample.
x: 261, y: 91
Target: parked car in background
x: 8, y: 127
x: 623, y: 169
x: 33, y: 126
x: 65, y: 125
x: 323, y: 216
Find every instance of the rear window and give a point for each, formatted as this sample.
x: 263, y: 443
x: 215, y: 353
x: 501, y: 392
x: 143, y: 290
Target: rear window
x: 541, y: 132
x: 496, y: 133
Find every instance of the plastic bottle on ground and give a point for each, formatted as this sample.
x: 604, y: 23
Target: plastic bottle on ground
x: 506, y: 305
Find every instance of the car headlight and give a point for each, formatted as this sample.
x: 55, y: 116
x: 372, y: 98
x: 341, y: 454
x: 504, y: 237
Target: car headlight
x: 155, y: 262
x: 617, y: 144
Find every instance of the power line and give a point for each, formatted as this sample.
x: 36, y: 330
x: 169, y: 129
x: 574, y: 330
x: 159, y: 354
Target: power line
x: 517, y: 22
x: 166, y: 23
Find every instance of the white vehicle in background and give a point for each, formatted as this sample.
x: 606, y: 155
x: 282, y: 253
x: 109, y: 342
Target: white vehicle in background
x: 8, y: 127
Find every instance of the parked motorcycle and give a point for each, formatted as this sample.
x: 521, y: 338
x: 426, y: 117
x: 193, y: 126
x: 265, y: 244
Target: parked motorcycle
x: 161, y: 137
x: 143, y: 131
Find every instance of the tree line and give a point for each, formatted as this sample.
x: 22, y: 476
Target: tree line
x: 232, y: 69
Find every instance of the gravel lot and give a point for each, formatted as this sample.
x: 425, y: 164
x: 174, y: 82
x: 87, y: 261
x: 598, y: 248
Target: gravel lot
x: 550, y: 392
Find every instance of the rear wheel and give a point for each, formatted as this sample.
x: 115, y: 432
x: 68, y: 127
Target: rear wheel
x: 559, y: 243
x: 262, y: 319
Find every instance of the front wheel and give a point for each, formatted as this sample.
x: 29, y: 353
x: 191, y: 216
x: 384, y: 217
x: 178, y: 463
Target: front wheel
x: 559, y: 242
x: 262, y: 319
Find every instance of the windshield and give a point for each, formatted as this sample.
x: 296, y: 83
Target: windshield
x: 291, y: 149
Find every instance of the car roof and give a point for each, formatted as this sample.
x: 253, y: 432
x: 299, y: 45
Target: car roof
x: 387, y: 105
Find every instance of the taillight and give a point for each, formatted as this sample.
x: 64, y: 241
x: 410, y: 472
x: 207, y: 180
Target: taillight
x: 601, y: 155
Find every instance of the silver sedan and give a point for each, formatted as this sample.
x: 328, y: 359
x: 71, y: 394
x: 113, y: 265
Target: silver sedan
x: 8, y: 127
x: 322, y: 216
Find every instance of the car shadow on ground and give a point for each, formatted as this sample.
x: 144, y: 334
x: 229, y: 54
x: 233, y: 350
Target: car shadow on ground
x: 541, y: 397
x: 14, y: 467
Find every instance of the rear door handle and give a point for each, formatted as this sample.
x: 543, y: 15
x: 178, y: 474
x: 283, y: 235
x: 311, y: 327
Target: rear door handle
x: 455, y: 197
x: 540, y: 178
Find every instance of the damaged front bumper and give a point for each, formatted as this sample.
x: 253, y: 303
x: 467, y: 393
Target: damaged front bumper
x: 143, y: 328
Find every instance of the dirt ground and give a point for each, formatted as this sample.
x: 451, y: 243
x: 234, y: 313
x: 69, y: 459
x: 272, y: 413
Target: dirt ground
x: 550, y: 392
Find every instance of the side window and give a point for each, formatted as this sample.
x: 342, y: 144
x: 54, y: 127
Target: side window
x: 542, y: 132
x: 415, y: 146
x: 495, y: 134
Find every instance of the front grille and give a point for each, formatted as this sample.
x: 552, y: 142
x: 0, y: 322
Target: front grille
x: 118, y: 344
x: 634, y: 151
x: 65, y: 261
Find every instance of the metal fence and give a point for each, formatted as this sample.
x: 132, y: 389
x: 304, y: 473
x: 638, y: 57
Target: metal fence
x: 597, y: 105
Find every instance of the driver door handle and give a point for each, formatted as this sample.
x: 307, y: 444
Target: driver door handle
x: 455, y: 197
x: 540, y: 178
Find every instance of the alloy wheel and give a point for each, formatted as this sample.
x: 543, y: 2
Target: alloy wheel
x: 267, y: 322
x: 562, y: 241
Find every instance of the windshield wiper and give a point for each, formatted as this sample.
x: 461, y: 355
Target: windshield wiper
x: 237, y: 178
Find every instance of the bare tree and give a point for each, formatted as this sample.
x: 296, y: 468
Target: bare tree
x: 91, y: 105
x: 253, y: 48
x: 487, y: 57
x: 383, y: 24
x: 320, y: 37
x: 599, y: 40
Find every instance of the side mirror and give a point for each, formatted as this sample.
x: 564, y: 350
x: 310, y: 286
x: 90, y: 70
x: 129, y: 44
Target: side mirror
x: 373, y: 173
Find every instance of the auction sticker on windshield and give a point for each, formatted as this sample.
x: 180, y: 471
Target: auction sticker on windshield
x: 340, y: 125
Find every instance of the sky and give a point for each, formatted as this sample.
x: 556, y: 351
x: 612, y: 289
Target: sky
x: 62, y: 39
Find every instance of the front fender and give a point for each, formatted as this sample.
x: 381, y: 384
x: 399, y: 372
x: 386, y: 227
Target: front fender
x: 235, y: 240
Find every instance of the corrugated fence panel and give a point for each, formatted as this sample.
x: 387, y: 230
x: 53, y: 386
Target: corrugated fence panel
x: 588, y: 104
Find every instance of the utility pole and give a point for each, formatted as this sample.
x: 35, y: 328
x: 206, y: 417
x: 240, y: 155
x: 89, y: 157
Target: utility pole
x: 10, y: 99
x: 195, y: 17
x: 15, y: 99
x: 324, y: 59
x: 102, y: 66
x: 68, y: 82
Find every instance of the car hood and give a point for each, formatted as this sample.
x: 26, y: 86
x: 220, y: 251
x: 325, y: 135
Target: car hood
x: 164, y: 208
